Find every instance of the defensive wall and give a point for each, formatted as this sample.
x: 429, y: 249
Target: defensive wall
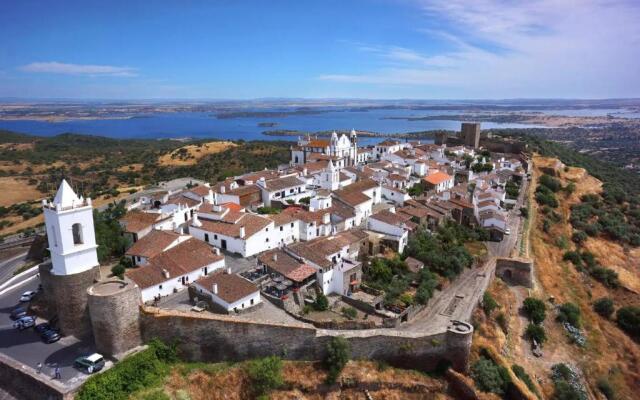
x: 515, y: 271
x: 215, y: 338
x: 23, y: 383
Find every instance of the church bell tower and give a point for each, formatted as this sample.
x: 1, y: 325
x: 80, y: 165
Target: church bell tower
x: 69, y: 222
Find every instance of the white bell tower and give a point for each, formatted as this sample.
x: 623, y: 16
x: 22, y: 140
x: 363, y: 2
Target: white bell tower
x: 69, y: 223
x: 330, y: 177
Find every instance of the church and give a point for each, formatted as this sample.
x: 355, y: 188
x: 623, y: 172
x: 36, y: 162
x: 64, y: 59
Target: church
x: 343, y: 151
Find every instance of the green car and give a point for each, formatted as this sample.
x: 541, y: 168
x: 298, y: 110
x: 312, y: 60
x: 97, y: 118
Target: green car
x: 90, y: 364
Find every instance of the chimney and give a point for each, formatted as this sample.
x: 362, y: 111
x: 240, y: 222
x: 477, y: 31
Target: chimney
x: 216, y: 251
x: 326, y: 218
x: 222, y: 189
x: 275, y: 256
x: 215, y: 288
x: 217, y: 208
x: 242, y: 232
x: 166, y: 273
x: 228, y: 271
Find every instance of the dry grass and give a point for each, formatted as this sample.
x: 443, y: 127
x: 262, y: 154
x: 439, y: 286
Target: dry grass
x: 16, y: 190
x: 194, y: 153
x: 302, y: 380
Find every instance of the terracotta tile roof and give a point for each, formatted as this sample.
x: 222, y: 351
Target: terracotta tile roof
x: 318, y: 143
x: 305, y: 215
x: 396, y: 177
x: 180, y: 198
x: 136, y: 221
x: 252, y: 224
x: 200, y: 190
x: 486, y: 203
x: 351, y: 197
x: 386, y: 216
x: 179, y: 260
x: 152, y: 244
x: 437, y: 178
x: 315, y: 166
x: 286, y: 265
x: 461, y: 203
x: 282, y: 218
x: 278, y: 184
x: 254, y: 176
x: 417, y: 212
x: 317, y: 250
x: 388, y: 143
x: 231, y: 287
x: 244, y: 190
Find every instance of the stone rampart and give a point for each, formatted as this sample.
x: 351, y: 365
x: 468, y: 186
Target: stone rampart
x: 25, y: 384
x: 69, y: 295
x: 515, y: 271
x: 115, y: 316
x: 214, y: 338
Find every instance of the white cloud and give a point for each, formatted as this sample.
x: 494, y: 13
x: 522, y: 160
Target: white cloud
x: 504, y: 48
x: 54, y: 67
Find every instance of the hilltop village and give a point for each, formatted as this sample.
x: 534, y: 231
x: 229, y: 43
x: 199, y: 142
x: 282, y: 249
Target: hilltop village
x: 389, y: 246
x: 311, y: 223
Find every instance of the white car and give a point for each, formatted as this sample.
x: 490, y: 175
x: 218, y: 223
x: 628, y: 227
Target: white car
x: 27, y: 296
x: 507, y: 231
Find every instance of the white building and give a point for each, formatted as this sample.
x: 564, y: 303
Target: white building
x: 175, y: 269
x: 69, y: 223
x: 394, y: 226
x: 228, y: 291
x: 341, y: 149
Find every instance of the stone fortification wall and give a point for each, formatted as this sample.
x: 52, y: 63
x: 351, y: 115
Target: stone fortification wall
x: 115, y: 316
x: 221, y: 338
x: 515, y: 271
x: 68, y: 294
x: 25, y: 384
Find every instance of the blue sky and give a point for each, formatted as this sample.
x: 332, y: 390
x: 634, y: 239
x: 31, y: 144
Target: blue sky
x: 426, y: 49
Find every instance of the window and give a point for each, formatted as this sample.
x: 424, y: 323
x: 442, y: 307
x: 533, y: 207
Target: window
x: 160, y: 287
x: 281, y: 228
x: 76, y: 230
x: 215, y: 237
x: 251, y: 301
x: 267, y: 240
x: 292, y: 224
x: 206, y: 237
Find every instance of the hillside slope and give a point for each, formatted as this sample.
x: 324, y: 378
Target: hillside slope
x: 609, y: 355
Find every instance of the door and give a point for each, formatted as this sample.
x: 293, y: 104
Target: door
x: 223, y: 244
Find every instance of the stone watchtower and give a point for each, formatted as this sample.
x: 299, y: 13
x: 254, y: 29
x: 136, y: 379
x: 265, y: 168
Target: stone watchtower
x: 74, y: 260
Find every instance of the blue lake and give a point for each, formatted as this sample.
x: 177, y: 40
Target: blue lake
x: 205, y: 125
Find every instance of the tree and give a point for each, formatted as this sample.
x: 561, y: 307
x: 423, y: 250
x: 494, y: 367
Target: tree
x: 579, y: 237
x: 569, y: 312
x: 535, y: 332
x: 604, y: 307
x: 534, y: 309
x: 628, y: 319
x: 490, y: 377
x: 118, y: 270
x: 321, y: 303
x: 488, y: 303
x: 338, y: 354
x: 265, y: 374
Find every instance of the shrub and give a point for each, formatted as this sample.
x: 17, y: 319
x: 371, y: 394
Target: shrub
x: 604, y: 307
x: 534, y: 310
x: 525, y: 212
x: 606, y: 276
x: 349, y: 312
x: 562, y: 242
x: 321, y: 303
x: 628, y: 319
x: 336, y: 358
x: 535, y: 332
x: 143, y: 369
x: 574, y: 257
x: 524, y: 377
x: 550, y: 183
x: 605, y: 387
x: 579, y: 237
x: 490, y: 377
x: 569, y: 312
x: 118, y: 270
x: 265, y: 374
x: 488, y: 303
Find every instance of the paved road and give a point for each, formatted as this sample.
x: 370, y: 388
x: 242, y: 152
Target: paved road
x: 7, y: 267
x: 27, y: 348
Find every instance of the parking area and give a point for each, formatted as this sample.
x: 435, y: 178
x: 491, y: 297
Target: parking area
x: 27, y: 348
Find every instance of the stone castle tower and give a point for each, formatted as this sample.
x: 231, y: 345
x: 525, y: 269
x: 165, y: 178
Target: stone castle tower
x: 74, y: 260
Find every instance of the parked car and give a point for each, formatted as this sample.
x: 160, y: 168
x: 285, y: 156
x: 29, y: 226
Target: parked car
x: 43, y: 327
x: 507, y: 231
x: 27, y: 296
x: 91, y: 363
x: 50, y: 336
x: 25, y: 322
x: 17, y: 313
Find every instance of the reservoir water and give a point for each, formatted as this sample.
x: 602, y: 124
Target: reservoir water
x: 205, y: 125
